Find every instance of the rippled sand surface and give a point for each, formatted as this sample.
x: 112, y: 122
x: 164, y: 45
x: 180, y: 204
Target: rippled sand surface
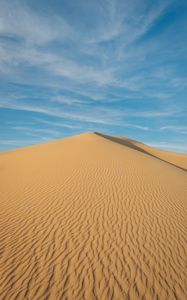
x: 93, y: 217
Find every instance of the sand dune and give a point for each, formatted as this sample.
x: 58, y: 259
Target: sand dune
x: 177, y: 159
x: 93, y: 217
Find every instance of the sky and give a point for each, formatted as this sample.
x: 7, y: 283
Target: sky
x: 114, y: 66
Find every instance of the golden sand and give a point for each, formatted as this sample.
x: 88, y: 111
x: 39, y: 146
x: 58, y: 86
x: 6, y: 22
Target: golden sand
x: 93, y: 217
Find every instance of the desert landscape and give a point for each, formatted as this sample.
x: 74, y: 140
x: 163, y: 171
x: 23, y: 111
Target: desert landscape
x: 93, y: 217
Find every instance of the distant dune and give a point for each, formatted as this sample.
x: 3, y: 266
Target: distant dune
x: 93, y: 217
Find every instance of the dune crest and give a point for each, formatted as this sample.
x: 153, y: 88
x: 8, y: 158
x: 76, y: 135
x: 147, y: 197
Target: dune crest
x: 93, y: 217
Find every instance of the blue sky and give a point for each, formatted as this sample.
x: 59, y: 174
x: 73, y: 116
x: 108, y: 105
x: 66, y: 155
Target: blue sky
x: 117, y: 67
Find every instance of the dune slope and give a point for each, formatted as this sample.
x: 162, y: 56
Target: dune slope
x: 177, y: 159
x: 90, y: 217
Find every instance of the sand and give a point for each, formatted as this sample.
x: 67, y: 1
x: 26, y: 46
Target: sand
x: 93, y: 217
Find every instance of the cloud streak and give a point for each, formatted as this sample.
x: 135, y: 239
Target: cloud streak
x: 175, y: 128
x: 19, y: 21
x: 93, y: 63
x: 169, y: 146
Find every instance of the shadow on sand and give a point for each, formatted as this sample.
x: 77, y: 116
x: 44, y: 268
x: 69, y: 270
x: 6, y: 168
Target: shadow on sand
x: 129, y: 143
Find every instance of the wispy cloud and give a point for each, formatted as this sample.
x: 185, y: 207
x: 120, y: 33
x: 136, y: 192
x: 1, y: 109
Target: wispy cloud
x: 30, y: 130
x: 19, y: 142
x: 57, y: 124
x: 114, y: 21
x: 34, y: 29
x: 66, y: 100
x: 181, y: 148
x: 175, y: 128
x: 19, y: 21
x: 99, y: 115
x: 110, y: 63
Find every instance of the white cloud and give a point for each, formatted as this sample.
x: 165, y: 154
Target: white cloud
x: 175, y: 128
x: 95, y: 60
x: 125, y: 19
x: 19, y: 142
x: 58, y: 124
x: 154, y: 113
x: 82, y: 116
x: 97, y: 115
x: 181, y: 148
x: 18, y: 20
x: 34, y: 130
x: 66, y: 100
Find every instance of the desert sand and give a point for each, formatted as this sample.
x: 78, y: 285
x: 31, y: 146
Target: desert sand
x: 93, y: 217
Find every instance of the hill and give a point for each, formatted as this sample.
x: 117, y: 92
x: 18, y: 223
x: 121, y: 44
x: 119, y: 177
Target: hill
x: 93, y: 217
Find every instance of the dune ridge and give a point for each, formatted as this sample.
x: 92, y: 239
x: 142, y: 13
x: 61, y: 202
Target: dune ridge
x: 93, y: 217
x: 176, y: 159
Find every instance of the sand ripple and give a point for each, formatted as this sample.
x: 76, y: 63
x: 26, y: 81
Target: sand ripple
x: 91, y: 218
